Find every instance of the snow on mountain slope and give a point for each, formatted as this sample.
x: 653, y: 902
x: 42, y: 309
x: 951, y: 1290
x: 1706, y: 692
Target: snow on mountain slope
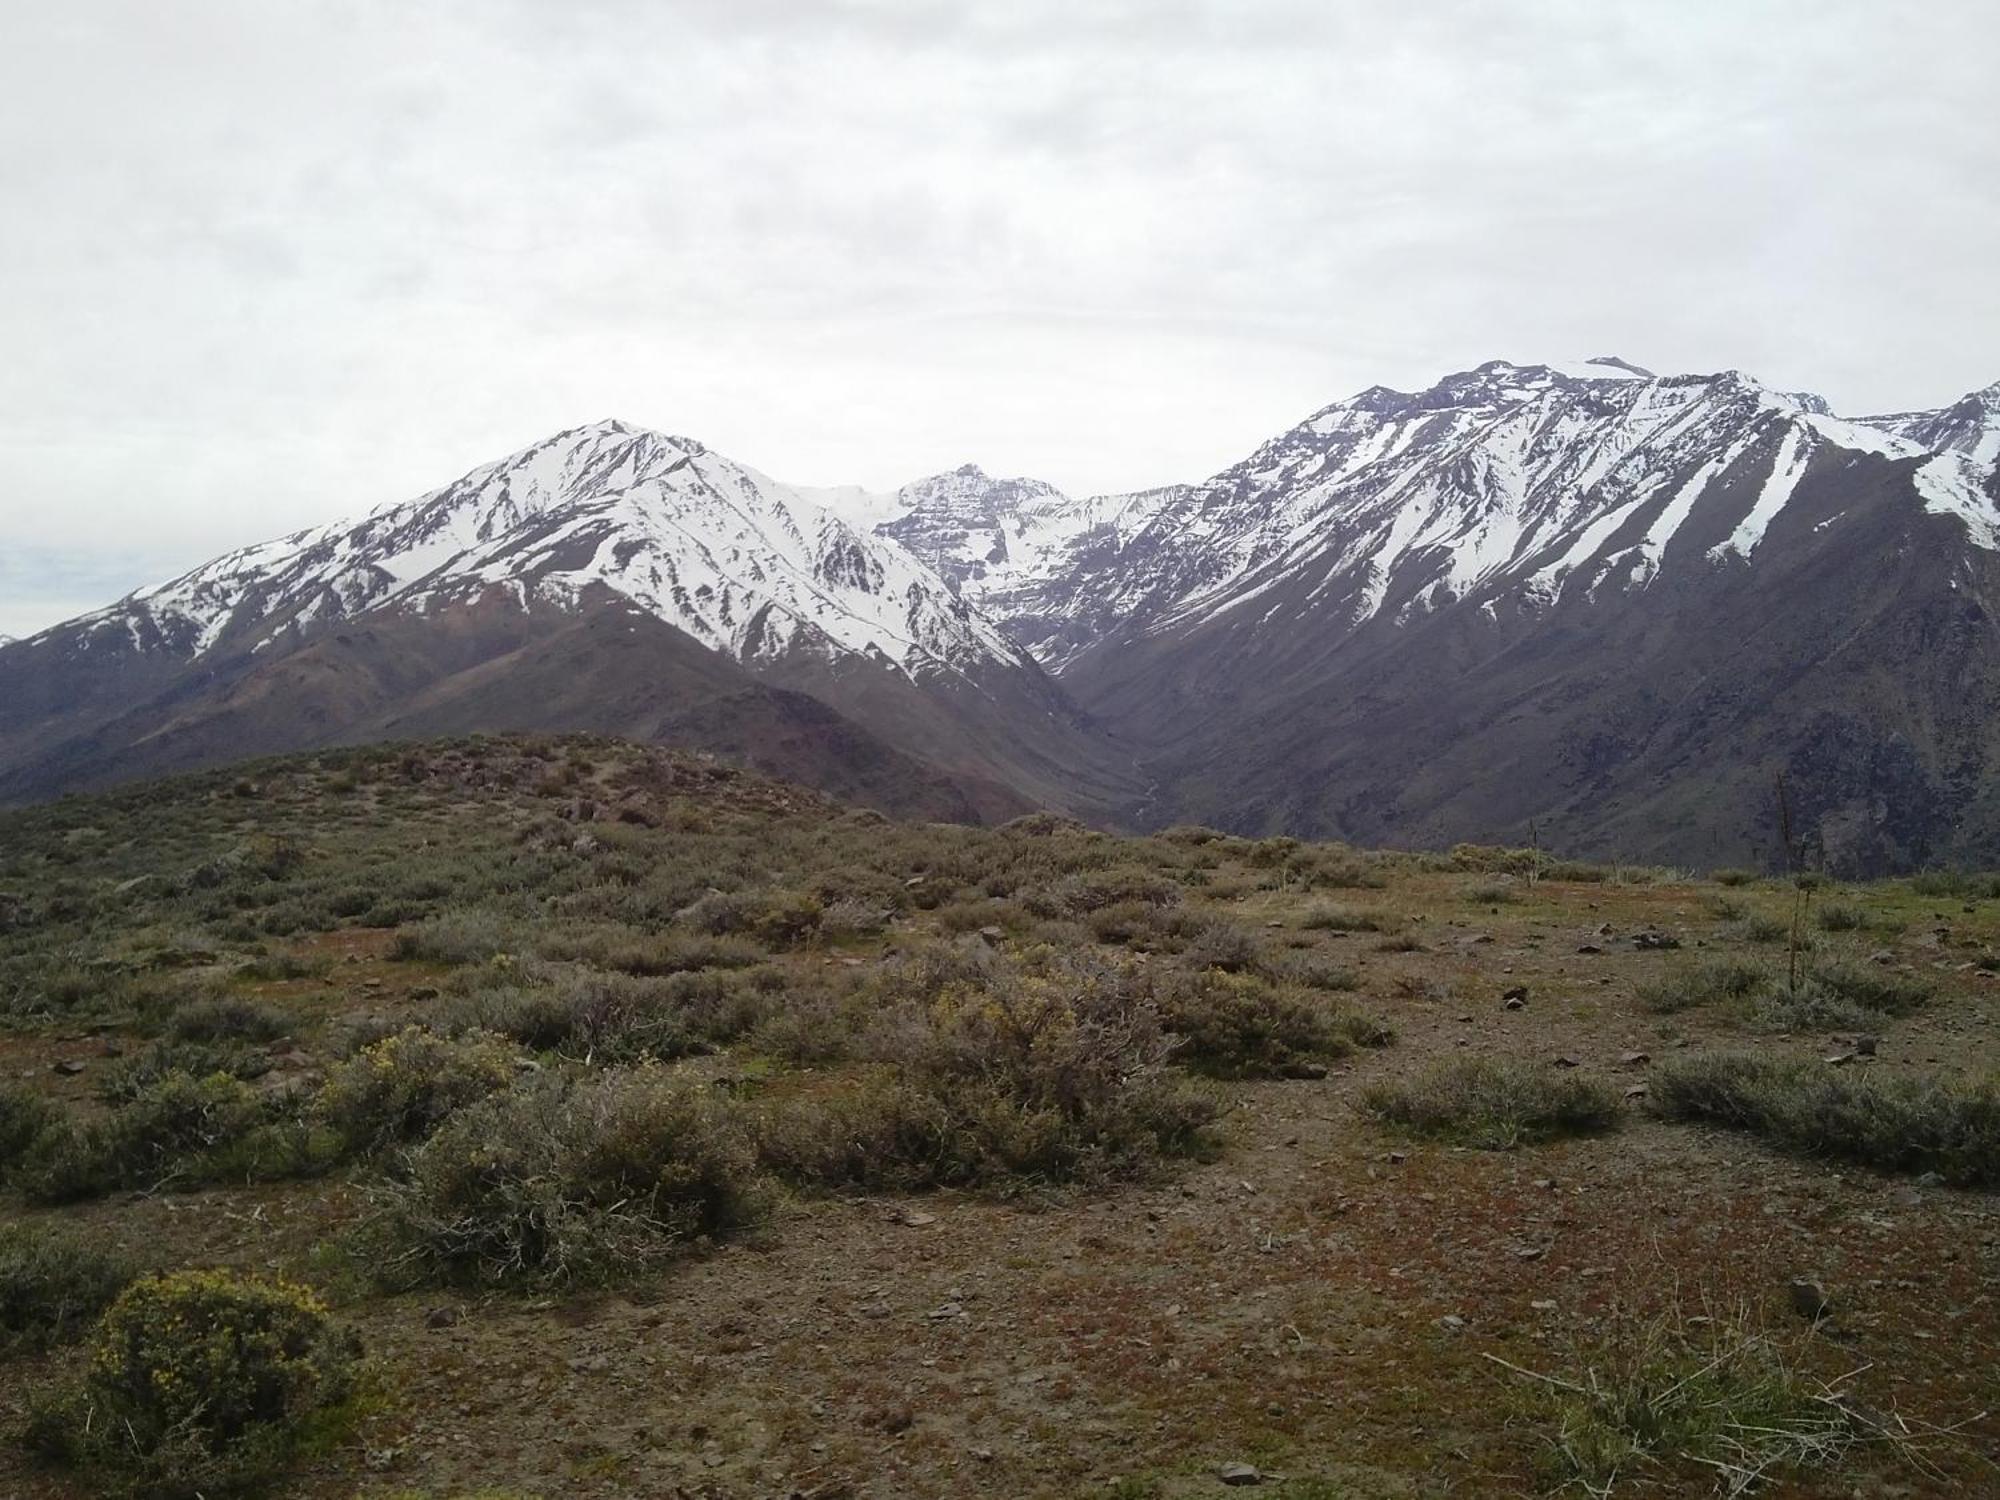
x: 1515, y: 479
x: 743, y: 564
x: 1970, y: 425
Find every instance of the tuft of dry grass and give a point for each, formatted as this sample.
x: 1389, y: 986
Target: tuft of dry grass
x: 1662, y: 1398
x: 1494, y: 1104
x: 1910, y: 1125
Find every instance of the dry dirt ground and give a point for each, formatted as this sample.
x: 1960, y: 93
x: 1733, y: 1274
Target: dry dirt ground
x: 1320, y: 1301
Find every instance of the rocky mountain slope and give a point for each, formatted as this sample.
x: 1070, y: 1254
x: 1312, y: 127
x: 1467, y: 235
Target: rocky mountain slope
x: 1612, y: 603
x: 607, y: 578
x: 1609, y: 603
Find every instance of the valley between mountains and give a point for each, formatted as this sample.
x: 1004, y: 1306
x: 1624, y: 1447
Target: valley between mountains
x: 1586, y: 600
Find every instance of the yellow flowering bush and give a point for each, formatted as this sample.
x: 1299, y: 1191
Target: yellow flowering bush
x: 200, y: 1382
x: 406, y: 1085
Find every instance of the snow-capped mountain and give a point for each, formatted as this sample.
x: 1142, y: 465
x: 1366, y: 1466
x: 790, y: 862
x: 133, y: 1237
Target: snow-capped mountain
x: 743, y: 564
x: 1608, y: 601
x: 701, y: 556
x: 1526, y: 480
x: 1433, y: 614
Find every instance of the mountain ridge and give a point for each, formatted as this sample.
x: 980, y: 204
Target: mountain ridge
x: 1130, y: 657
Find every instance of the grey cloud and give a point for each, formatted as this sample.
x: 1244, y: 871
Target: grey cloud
x: 268, y: 264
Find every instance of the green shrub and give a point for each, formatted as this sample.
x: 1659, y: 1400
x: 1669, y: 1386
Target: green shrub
x: 563, y: 1182
x: 1575, y: 872
x: 1315, y: 971
x: 1332, y: 867
x: 404, y: 1086
x: 199, y: 1383
x: 455, y: 938
x: 167, y: 1131
x: 1765, y: 929
x: 1134, y: 924
x: 1909, y: 1125
x: 624, y: 1018
x: 1329, y: 918
x: 53, y: 1284
x: 24, y: 1114
x: 1494, y: 1104
x: 1872, y: 988
x: 778, y: 917
x: 1239, y: 1026
x: 1703, y: 984
x: 1840, y: 916
x: 222, y: 1019
x: 1053, y: 1071
x: 1491, y: 894
x: 129, y: 1077
x: 1215, y: 943
x: 1732, y: 877
x: 1491, y: 859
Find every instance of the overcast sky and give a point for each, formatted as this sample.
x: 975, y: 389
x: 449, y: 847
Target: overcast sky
x: 264, y: 264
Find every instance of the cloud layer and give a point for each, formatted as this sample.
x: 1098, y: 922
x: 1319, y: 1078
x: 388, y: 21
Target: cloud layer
x: 268, y: 264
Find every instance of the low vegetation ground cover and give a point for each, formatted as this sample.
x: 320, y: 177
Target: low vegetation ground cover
x: 760, y: 1144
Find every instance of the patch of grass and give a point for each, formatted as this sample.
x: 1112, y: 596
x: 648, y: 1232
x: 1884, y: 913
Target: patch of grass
x: 1492, y: 894
x: 1733, y: 877
x: 1673, y: 1396
x: 1840, y: 916
x: 1494, y: 1104
x: 1838, y: 997
x: 1703, y: 984
x: 1762, y: 928
x: 1902, y: 1124
x: 1326, y: 917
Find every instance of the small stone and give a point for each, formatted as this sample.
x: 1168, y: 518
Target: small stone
x: 442, y: 1317
x: 916, y: 1218
x: 1809, y: 1299
x: 993, y: 934
x: 1564, y: 1060
x: 1451, y: 1323
x: 1840, y: 1059
x: 1637, y: 1091
x: 70, y: 1065
x: 1864, y: 1046
x: 1543, y: 1305
x: 1240, y: 1474
x: 1588, y: 948
x: 946, y: 1311
x: 1634, y: 1059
